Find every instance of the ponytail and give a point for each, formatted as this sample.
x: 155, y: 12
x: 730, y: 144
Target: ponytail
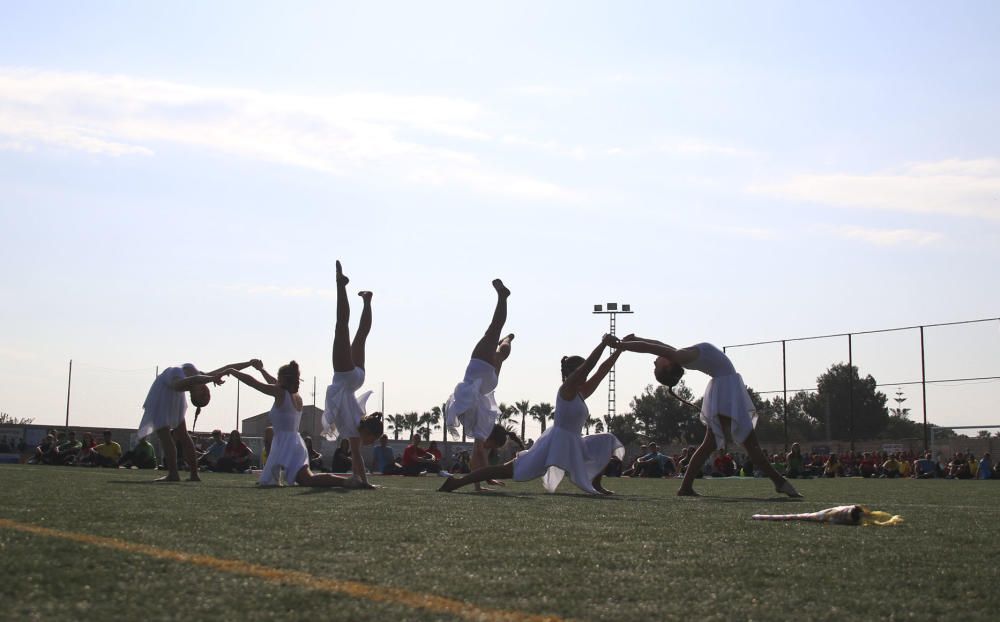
x: 670, y: 390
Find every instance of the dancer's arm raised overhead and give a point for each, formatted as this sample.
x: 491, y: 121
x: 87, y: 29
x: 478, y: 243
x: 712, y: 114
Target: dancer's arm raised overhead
x: 236, y: 366
x: 595, y: 380
x: 274, y: 390
x: 576, y: 380
x: 259, y: 366
x: 632, y: 343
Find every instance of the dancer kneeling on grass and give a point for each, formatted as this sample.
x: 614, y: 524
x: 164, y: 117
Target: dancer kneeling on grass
x: 344, y: 416
x: 166, y: 405
x: 561, y: 449
x: 288, y: 451
x: 472, y: 404
x: 726, y: 410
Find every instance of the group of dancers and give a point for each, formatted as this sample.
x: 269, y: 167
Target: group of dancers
x: 726, y: 411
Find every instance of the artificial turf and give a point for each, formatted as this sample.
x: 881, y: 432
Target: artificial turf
x: 640, y: 554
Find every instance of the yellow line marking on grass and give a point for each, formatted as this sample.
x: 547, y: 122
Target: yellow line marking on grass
x: 354, y: 589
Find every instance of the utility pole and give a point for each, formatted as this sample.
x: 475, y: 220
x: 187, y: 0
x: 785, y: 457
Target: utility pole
x: 611, y: 309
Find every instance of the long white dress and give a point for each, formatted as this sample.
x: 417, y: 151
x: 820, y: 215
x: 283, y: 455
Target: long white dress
x: 288, y: 450
x: 726, y: 395
x: 472, y: 403
x: 164, y: 407
x: 344, y: 410
x: 561, y: 449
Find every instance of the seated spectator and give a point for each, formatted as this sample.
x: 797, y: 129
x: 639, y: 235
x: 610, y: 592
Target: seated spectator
x: 904, y: 466
x: 433, y: 450
x: 85, y: 457
x: 890, y: 468
x: 214, y: 452
x: 833, y: 468
x: 461, y: 464
x: 65, y: 453
x: 654, y: 464
x: 315, y: 458
x: 342, y: 462
x: 686, y: 454
x: 108, y: 453
x: 383, y: 460
x: 723, y: 465
x: 973, y: 465
x: 43, y: 449
x: 796, y: 463
x: 631, y: 470
x: 614, y: 468
x: 142, y: 456
x: 416, y: 460
x: 985, y: 467
x: 268, y: 438
x: 748, y: 469
x: 866, y: 467
x: 235, y: 457
x: 925, y: 468
x: 958, y: 468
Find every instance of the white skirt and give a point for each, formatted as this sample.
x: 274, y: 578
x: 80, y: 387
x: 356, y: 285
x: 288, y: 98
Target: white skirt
x: 288, y: 452
x: 164, y: 407
x: 468, y: 406
x: 559, y: 451
x: 727, y: 396
x: 343, y: 410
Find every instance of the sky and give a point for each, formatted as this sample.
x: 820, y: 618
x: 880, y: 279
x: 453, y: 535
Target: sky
x: 177, y: 180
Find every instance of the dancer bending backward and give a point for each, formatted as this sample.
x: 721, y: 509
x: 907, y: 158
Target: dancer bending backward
x: 166, y: 405
x: 472, y: 404
x: 726, y: 407
x: 344, y: 416
x: 562, y: 449
x: 288, y: 450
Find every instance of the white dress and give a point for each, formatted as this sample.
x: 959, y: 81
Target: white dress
x: 725, y: 395
x: 343, y: 410
x: 164, y: 407
x: 562, y: 450
x: 472, y: 404
x: 288, y: 450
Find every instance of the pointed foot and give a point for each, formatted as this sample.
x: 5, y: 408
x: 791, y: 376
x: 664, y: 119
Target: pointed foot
x: 501, y: 288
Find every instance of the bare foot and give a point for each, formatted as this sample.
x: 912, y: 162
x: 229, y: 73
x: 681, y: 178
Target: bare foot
x: 603, y: 490
x: 365, y: 295
x: 449, y: 485
x: 194, y: 478
x: 495, y: 482
x: 505, y: 341
x: 501, y: 288
x: 341, y: 277
x: 687, y: 492
x: 168, y: 478
x: 786, y: 488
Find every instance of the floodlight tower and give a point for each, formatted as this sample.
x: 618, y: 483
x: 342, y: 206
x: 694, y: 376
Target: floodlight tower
x: 611, y: 309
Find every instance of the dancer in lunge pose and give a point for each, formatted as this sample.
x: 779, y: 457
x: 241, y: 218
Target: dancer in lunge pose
x: 561, y: 449
x: 344, y: 416
x: 288, y: 450
x: 166, y: 405
x: 726, y: 410
x: 472, y: 404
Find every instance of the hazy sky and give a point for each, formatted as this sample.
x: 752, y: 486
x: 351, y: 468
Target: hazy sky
x: 177, y: 179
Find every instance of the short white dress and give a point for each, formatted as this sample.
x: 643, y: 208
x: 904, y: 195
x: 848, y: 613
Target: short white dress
x: 726, y: 395
x: 472, y: 404
x: 561, y: 449
x: 164, y: 407
x: 288, y: 450
x: 344, y: 410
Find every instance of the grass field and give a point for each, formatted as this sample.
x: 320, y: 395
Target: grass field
x: 301, y: 553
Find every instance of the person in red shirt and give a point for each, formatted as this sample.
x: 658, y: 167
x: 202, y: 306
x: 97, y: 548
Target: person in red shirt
x: 416, y: 460
x: 236, y: 456
x: 433, y: 450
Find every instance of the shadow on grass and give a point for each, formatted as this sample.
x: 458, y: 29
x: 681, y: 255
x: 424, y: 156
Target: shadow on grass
x: 781, y: 499
x: 319, y: 490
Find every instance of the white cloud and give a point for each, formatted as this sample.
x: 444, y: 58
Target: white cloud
x: 887, y: 237
x: 950, y: 187
x: 416, y: 138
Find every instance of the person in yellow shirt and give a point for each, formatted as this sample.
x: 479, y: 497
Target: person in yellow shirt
x: 108, y: 453
x: 904, y: 468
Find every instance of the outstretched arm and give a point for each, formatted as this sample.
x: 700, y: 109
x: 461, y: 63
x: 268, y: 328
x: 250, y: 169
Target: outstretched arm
x: 574, y: 382
x: 643, y: 346
x: 259, y: 366
x: 267, y: 389
x: 191, y: 382
x: 236, y: 366
x: 594, y: 381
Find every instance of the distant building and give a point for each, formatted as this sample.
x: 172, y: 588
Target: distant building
x: 312, y: 424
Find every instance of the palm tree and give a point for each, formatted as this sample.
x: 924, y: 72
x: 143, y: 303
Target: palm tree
x: 525, y: 409
x: 591, y: 421
x: 506, y: 415
x: 412, y: 422
x: 542, y: 412
x: 397, y: 423
x: 429, y: 421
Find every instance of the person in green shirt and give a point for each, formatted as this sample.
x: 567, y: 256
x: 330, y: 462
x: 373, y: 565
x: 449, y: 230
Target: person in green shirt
x: 142, y: 456
x: 65, y: 452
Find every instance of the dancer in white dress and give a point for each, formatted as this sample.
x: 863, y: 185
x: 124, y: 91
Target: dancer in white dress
x: 344, y: 416
x: 472, y: 403
x: 288, y: 450
x: 726, y: 410
x: 166, y: 405
x: 562, y: 449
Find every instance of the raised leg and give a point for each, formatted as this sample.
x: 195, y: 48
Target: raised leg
x: 364, y: 327
x: 504, y: 471
x: 342, y: 360
x: 486, y: 349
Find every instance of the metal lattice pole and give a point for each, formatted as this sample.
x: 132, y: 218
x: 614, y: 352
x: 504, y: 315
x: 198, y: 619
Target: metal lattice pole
x: 612, y: 310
